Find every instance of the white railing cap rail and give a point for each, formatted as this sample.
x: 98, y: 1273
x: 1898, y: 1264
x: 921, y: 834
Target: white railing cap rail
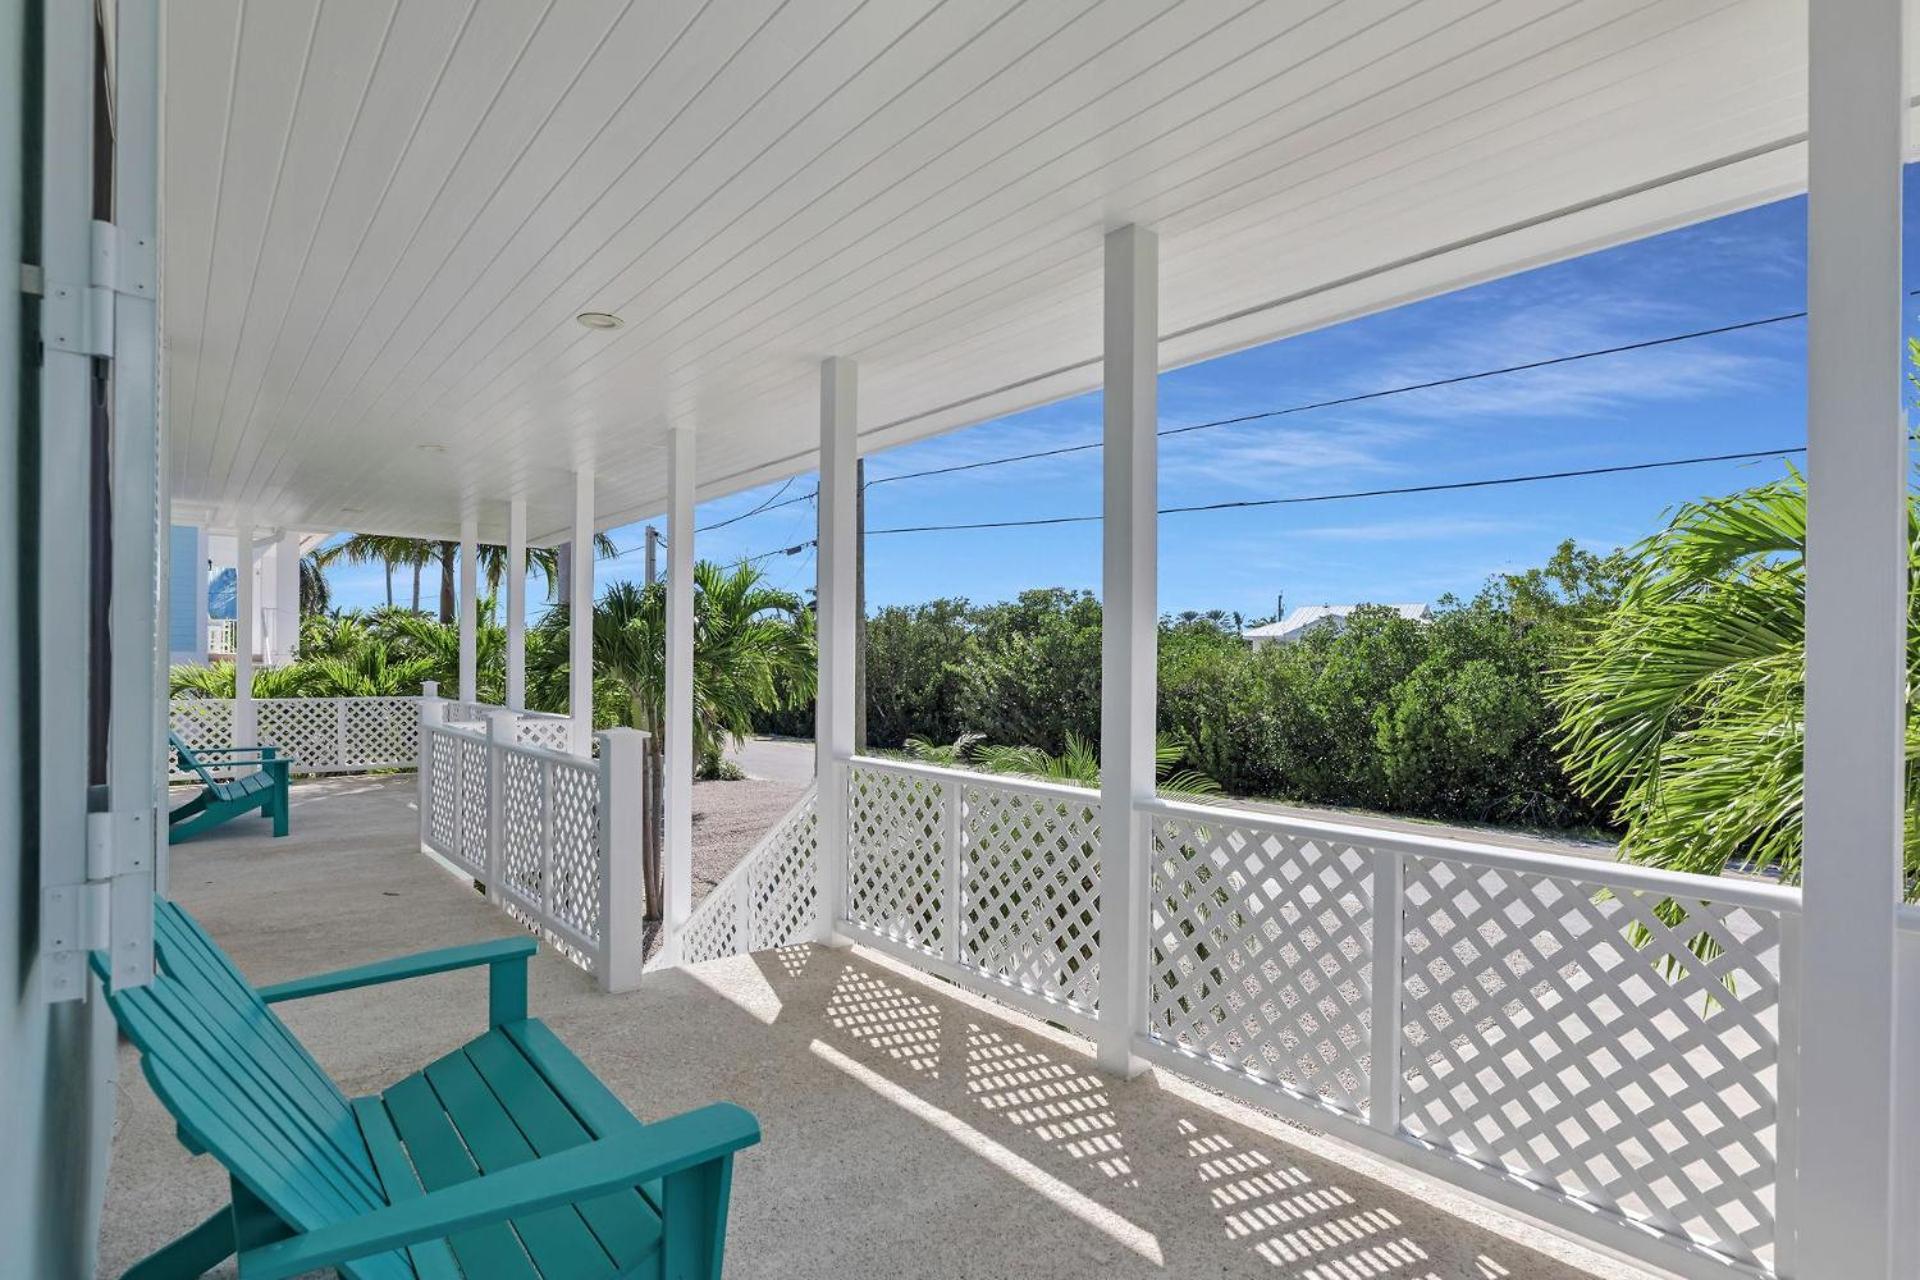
x: 476, y: 729
x: 1614, y: 875
x: 980, y: 778
x: 531, y: 750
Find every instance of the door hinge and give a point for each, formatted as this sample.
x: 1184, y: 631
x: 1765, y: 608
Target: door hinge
x: 79, y: 317
x: 122, y: 263
x: 111, y: 912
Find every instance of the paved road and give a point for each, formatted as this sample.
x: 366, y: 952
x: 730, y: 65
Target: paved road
x: 775, y: 760
x: 790, y: 760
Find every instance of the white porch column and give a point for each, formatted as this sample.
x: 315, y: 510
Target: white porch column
x: 283, y: 637
x: 244, y: 615
x: 1856, y: 642
x: 833, y: 716
x: 517, y: 604
x: 469, y: 608
x: 1129, y: 638
x: 678, y: 737
x: 580, y: 615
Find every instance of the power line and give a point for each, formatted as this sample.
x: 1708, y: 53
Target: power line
x: 769, y: 505
x: 1334, y: 402
x: 1300, y: 499
x: 1244, y: 503
x: 1364, y: 396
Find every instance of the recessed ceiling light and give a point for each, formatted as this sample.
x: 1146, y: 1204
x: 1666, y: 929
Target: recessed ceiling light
x: 599, y: 319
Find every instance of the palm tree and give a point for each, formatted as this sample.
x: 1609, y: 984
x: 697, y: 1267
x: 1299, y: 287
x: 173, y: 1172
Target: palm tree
x: 384, y: 550
x: 1684, y: 707
x: 217, y: 681
x: 753, y: 650
x: 1079, y: 765
x: 417, y: 553
x: 316, y: 593
x: 954, y: 753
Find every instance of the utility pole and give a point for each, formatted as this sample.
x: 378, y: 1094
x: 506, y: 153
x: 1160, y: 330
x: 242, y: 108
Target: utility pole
x: 860, y: 605
x: 653, y: 546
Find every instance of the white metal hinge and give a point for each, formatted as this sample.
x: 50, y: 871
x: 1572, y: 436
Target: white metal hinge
x: 110, y: 912
x: 122, y: 263
x: 79, y: 318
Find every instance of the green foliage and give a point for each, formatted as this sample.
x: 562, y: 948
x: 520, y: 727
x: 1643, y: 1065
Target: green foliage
x: 1033, y: 671
x: 1443, y: 719
x: 1079, y: 765
x: 753, y: 651
x: 958, y: 752
x: 1683, y: 707
x: 916, y: 656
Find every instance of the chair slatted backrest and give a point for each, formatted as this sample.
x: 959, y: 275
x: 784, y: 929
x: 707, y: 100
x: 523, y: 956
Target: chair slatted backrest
x: 245, y: 1089
x: 190, y: 760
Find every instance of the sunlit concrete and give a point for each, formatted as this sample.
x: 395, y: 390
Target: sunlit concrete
x: 910, y: 1129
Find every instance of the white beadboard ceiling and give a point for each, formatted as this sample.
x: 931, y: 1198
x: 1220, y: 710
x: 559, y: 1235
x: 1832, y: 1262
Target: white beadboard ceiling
x: 381, y: 216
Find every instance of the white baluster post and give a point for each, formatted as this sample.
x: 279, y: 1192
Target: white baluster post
x: 469, y: 608
x: 244, y: 731
x: 1129, y: 633
x: 622, y: 878
x: 952, y: 835
x: 432, y: 713
x: 517, y: 604
x: 580, y: 615
x: 833, y: 717
x: 1856, y: 664
x: 678, y: 759
x: 502, y: 732
x: 1389, y: 940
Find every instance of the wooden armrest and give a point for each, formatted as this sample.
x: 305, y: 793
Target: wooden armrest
x: 265, y: 753
x: 507, y: 986
x: 579, y: 1173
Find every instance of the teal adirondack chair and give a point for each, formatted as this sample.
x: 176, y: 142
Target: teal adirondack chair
x: 505, y: 1160
x: 263, y: 787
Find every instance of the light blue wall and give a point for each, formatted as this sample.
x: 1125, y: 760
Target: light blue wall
x: 187, y: 583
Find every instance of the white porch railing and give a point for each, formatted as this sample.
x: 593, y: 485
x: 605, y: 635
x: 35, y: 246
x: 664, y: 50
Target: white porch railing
x: 554, y: 838
x: 323, y: 735
x: 220, y: 633
x: 346, y: 735
x: 1604, y: 1046
x: 534, y: 728
x: 770, y: 899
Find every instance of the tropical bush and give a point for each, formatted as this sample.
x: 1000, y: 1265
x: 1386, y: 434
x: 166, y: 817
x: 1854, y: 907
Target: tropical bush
x: 1446, y: 719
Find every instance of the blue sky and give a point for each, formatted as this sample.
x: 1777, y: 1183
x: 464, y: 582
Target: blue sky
x: 1725, y: 394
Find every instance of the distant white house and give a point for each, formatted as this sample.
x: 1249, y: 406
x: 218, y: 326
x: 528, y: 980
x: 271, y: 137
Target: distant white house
x: 1312, y: 616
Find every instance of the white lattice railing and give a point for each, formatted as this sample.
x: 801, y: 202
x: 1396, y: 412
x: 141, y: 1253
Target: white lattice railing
x: 554, y: 838
x: 770, y: 899
x: 322, y: 735
x: 345, y: 735
x: 1599, y: 1041
x: 532, y: 728
x: 1596, y: 1043
x: 1024, y: 857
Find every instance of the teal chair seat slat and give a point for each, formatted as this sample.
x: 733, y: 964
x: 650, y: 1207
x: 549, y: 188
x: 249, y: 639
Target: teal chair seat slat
x: 316, y: 1175
x: 432, y: 1259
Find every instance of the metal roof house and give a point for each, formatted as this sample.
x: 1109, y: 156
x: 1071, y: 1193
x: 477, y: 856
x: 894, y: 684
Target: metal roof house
x: 1311, y: 617
x: 490, y: 271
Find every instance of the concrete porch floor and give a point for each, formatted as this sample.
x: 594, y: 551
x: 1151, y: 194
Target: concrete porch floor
x: 909, y: 1128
